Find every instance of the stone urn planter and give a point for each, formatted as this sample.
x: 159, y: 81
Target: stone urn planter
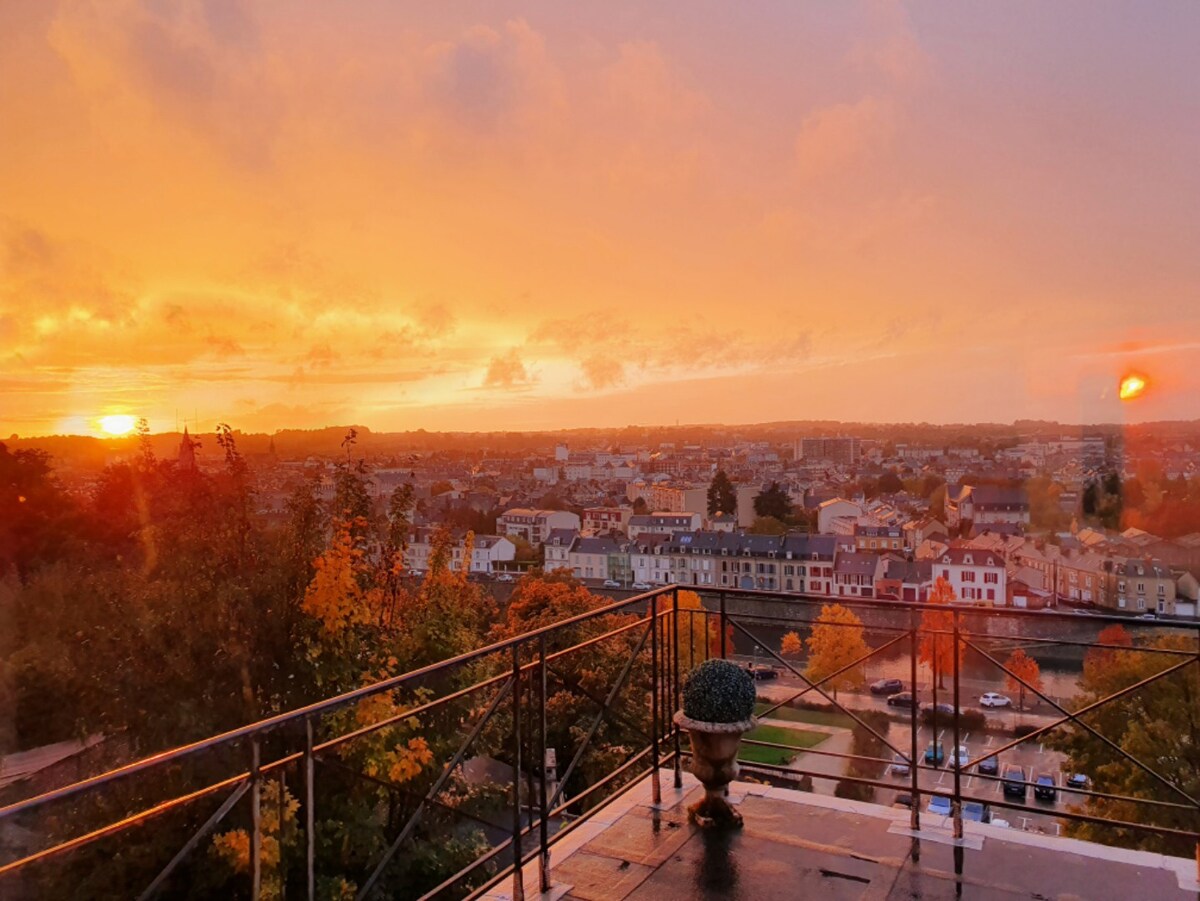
x: 718, y: 708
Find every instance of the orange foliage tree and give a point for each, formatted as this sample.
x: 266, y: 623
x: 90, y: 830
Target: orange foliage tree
x: 836, y: 642
x: 1022, y: 665
x: 1099, y: 661
x: 696, y: 629
x: 937, y: 651
x: 791, y: 645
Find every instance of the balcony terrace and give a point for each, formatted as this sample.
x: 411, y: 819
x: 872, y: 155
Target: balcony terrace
x: 592, y: 806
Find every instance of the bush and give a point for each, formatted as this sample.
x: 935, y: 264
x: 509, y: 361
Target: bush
x: 718, y: 691
x: 968, y: 720
x: 1022, y: 729
x: 855, y: 791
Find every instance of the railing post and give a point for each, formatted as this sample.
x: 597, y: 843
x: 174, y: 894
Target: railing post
x: 543, y: 831
x: 518, y: 875
x: 675, y: 695
x: 255, y: 820
x: 654, y: 699
x: 279, y: 810
x: 957, y: 809
x: 310, y: 813
x: 722, y: 626
x: 914, y: 773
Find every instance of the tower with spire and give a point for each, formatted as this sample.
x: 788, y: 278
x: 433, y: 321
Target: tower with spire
x: 187, y: 451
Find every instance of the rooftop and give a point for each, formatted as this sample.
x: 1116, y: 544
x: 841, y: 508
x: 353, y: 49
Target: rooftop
x: 797, y: 845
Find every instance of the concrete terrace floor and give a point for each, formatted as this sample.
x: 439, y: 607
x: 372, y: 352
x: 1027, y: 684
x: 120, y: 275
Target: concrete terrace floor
x: 800, y: 845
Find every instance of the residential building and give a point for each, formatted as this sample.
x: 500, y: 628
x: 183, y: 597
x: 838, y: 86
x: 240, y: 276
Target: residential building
x: 663, y: 523
x: 589, y: 556
x: 977, y: 576
x: 877, y: 539
x: 854, y: 574
x: 986, y: 504
x: 606, y: 519
x: 535, y: 525
x: 1143, y: 586
x: 668, y: 497
x: 836, y: 450
x: 557, y: 548
x: 905, y: 580
x: 830, y: 510
x: 487, y: 552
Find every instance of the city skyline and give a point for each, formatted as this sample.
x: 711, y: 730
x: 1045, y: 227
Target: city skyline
x: 521, y: 217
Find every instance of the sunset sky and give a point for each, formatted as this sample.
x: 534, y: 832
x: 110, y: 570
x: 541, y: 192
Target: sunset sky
x: 547, y: 214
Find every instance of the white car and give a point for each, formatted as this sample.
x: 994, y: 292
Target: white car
x: 611, y: 583
x: 641, y: 586
x: 960, y: 758
x: 993, y: 699
x: 504, y: 577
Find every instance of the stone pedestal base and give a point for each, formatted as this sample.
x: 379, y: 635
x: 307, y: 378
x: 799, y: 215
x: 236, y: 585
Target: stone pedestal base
x: 714, y: 763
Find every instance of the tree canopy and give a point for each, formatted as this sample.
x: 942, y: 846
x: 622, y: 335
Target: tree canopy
x: 722, y: 496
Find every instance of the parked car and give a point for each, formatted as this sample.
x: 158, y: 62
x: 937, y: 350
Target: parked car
x: 989, y: 766
x: 505, y: 577
x: 959, y: 758
x: 904, y: 699
x: 611, y: 583
x: 935, y: 753
x: 887, y: 687
x: 1003, y: 824
x: 1045, y: 787
x: 641, y: 586
x: 902, y: 800
x: 1078, y: 781
x: 1148, y: 616
x: 899, y: 765
x: 976, y: 812
x: 1014, y: 781
x: 942, y: 709
x: 762, y: 671
x: 939, y: 804
x: 994, y: 699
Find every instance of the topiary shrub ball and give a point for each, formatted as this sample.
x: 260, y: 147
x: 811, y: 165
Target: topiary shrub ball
x: 718, y: 691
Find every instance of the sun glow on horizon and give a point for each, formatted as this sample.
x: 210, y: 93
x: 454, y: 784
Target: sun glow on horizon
x: 117, y: 424
x: 1132, y: 386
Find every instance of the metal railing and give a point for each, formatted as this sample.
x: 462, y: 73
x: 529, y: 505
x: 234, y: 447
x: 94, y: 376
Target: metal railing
x: 494, y: 702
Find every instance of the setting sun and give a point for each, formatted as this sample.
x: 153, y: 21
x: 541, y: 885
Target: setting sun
x: 118, y: 424
x: 1132, y: 386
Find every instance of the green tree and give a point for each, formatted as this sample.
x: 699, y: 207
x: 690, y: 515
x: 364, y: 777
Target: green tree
x: 773, y: 501
x: 722, y: 496
x: 767, y: 525
x: 1157, y: 724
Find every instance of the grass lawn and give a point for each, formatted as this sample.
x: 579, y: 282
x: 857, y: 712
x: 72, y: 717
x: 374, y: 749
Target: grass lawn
x: 817, y: 717
x: 796, y: 738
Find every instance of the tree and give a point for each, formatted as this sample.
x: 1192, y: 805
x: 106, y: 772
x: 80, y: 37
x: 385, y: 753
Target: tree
x: 696, y: 630
x: 1022, y: 667
x: 773, y: 501
x: 640, y: 507
x: 836, y: 641
x: 889, y: 483
x: 722, y: 497
x: 1157, y: 724
x: 791, y: 645
x: 767, y: 525
x: 1098, y: 660
x: 937, y: 645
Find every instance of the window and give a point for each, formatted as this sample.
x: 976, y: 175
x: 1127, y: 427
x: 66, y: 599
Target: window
x: 945, y: 574
x: 1141, y: 603
x: 968, y: 576
x: 991, y: 594
x: 991, y: 578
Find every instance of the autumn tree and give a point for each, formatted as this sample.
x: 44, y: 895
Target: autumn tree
x: 1098, y: 660
x: 696, y: 629
x: 791, y: 645
x: 836, y: 642
x: 936, y: 649
x: 1023, y: 670
x: 722, y: 496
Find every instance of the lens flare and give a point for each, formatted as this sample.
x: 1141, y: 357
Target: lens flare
x: 1132, y: 386
x: 118, y: 424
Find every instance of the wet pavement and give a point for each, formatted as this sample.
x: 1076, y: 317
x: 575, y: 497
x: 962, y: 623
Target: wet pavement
x: 797, y: 845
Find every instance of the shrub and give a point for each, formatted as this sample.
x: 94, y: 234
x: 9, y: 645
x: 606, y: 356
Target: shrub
x: 1022, y: 729
x: 968, y: 720
x: 855, y: 791
x: 718, y: 691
